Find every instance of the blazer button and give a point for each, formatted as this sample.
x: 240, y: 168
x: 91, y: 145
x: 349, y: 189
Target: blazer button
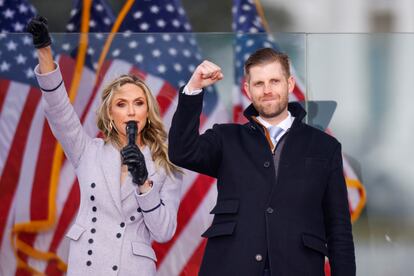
x: 266, y: 164
x: 259, y: 258
x: 269, y: 210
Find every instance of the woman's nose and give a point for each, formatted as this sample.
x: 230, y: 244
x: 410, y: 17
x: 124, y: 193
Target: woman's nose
x: 131, y: 110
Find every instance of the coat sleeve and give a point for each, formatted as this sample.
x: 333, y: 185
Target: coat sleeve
x: 63, y: 120
x: 159, y: 207
x: 337, y: 221
x: 189, y: 149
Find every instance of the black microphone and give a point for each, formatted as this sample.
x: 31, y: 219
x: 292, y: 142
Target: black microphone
x: 131, y: 132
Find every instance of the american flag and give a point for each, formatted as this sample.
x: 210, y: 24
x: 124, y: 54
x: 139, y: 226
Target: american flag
x: 251, y: 35
x: 39, y: 190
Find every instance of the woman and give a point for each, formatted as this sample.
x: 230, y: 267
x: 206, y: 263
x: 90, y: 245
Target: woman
x: 129, y: 191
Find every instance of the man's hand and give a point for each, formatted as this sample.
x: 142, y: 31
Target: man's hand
x: 207, y: 73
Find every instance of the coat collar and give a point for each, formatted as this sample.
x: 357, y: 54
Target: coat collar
x: 295, y: 108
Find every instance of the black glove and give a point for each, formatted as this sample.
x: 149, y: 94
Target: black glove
x: 134, y: 159
x: 40, y: 34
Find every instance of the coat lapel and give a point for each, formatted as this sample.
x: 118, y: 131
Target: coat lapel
x: 110, y: 160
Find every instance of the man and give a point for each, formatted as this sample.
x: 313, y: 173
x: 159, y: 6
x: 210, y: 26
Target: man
x: 282, y: 200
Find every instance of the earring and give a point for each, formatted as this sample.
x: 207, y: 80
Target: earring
x: 149, y: 122
x: 110, y: 126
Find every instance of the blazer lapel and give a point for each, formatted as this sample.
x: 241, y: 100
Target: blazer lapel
x: 110, y: 160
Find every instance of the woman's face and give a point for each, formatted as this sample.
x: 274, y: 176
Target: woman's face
x: 129, y: 103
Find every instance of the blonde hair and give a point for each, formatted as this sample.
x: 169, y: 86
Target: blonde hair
x: 153, y: 135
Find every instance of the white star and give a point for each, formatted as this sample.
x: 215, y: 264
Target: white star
x: 238, y: 49
x: 176, y: 23
x: 187, y: 27
x: 29, y: 73
x: 150, y: 39
x: 178, y: 67
x: 137, y: 15
x: 144, y: 26
x: 34, y: 54
x: 139, y: 58
x: 4, y: 66
x: 99, y: 7
x: 20, y: 59
x: 192, y: 41
x: 8, y: 13
x: 73, y: 12
x: 198, y: 56
x: 92, y: 23
x: 253, y: 30
x: 66, y: 46
x: 116, y: 52
x: 267, y: 44
x: 191, y: 68
x: 233, y: 9
x: 249, y: 43
x: 154, y: 9
x: 70, y: 27
x: 107, y: 21
x: 3, y: 34
x: 181, y: 11
x: 180, y: 38
x: 91, y: 51
x: 246, y: 56
x: 1, y: 3
x: 161, y: 68
x: 133, y: 44
x: 181, y: 83
x: 156, y: 53
x: 18, y: 27
x: 127, y: 33
x: 27, y: 40
x: 99, y: 35
x: 23, y: 8
x: 246, y: 7
x: 161, y: 23
x: 169, y: 8
x: 11, y: 46
x: 166, y: 37
x: 186, y: 53
x: 172, y: 51
x: 242, y: 19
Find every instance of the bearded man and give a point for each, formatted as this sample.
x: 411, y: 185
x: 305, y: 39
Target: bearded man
x: 282, y: 203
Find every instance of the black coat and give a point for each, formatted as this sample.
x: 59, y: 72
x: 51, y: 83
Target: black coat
x: 298, y: 219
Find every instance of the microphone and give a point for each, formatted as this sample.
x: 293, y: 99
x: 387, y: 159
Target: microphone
x: 131, y: 132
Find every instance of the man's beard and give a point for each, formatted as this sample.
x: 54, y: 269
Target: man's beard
x: 271, y: 110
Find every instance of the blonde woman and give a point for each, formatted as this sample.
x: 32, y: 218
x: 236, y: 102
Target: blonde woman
x: 129, y: 192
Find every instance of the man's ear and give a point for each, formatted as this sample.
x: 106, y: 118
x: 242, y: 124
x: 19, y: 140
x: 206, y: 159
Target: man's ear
x: 247, y: 89
x: 291, y: 84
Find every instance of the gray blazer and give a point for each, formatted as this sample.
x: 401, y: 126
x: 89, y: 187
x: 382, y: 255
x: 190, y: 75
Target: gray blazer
x: 115, y: 226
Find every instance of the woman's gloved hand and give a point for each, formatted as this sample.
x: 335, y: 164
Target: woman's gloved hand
x: 135, y: 161
x: 37, y: 26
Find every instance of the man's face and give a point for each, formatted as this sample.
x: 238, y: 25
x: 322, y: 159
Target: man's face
x: 268, y: 88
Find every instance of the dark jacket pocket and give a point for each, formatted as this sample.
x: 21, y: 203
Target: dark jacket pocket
x: 315, y: 243
x: 143, y: 249
x: 228, y: 206
x: 220, y: 229
x: 75, y: 232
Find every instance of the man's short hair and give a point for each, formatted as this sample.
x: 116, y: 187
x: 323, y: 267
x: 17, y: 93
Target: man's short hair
x: 267, y: 55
